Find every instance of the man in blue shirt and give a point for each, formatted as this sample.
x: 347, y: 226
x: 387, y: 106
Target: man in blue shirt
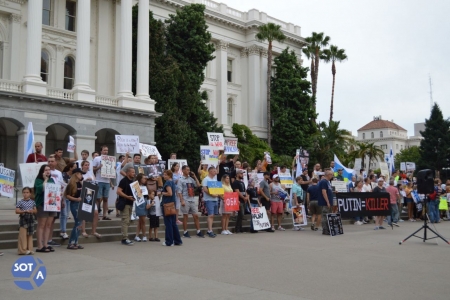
x: 312, y: 201
x: 325, y: 198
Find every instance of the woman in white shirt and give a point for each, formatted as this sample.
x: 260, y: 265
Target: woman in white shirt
x: 367, y: 187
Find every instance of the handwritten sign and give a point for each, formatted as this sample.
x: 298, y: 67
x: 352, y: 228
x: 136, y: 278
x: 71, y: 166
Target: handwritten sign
x: 340, y: 186
x: 231, y: 201
x: 363, y: 204
x: 299, y: 216
x: 231, y: 146
x: 71, y: 144
x: 181, y: 162
x: 147, y: 150
x: 127, y: 143
x: 209, y: 155
x: 335, y: 224
x: 108, y: 163
x: 7, y: 177
x: 286, y: 178
x: 52, y: 197
x: 259, y: 218
x: 215, y: 188
x: 410, y: 166
x: 216, y: 140
x: 29, y: 172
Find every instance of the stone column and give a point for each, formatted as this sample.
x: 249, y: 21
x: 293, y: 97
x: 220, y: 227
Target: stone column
x: 15, y: 46
x: 84, y: 142
x: 222, y: 83
x: 263, y: 82
x: 254, y: 86
x: 125, y: 49
x: 244, y: 104
x: 143, y: 51
x: 82, y: 89
x: 33, y: 83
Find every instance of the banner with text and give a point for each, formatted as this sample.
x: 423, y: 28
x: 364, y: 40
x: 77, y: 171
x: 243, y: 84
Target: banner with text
x: 29, y: 172
x: 335, y: 224
x: 87, y: 204
x: 108, y: 164
x: 127, y: 143
x: 7, y: 177
x: 209, y: 155
x: 259, y: 218
x: 216, y: 140
x: 147, y: 150
x: 52, y: 197
x: 231, y: 146
x: 363, y: 204
x: 231, y: 201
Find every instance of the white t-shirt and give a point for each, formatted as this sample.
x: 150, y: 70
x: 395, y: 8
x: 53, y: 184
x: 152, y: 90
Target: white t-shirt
x: 89, y: 176
x: 366, y: 188
x: 91, y: 167
x: 96, y: 163
x: 57, y: 177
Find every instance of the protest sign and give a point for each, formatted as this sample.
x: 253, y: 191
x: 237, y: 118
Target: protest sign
x: 363, y: 204
x: 384, y: 169
x: 181, y: 162
x: 335, y: 224
x: 246, y: 179
x: 339, y: 186
x: 52, y: 197
x: 154, y: 170
x: 410, y: 166
x: 147, y: 150
x: 403, y: 166
x: 138, y: 193
x: 299, y: 216
x: 231, y: 201
x: 87, y: 204
x: 141, y: 169
x: 209, y: 155
x: 215, y: 188
x: 71, y: 144
x: 158, y: 206
x: 127, y: 144
x: 257, y: 178
x: 231, y: 146
x: 7, y: 177
x: 162, y: 164
x: 29, y: 172
x: 357, y: 165
x: 216, y: 140
x: 108, y: 164
x: 259, y: 218
x: 285, y: 178
x: 268, y: 158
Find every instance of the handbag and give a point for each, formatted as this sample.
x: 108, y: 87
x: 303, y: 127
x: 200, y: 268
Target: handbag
x: 120, y: 205
x: 169, y: 209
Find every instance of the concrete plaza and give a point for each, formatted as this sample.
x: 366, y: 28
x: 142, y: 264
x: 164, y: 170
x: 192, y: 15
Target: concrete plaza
x: 361, y: 264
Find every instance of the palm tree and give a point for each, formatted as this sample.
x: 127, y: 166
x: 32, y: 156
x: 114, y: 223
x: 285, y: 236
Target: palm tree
x: 270, y: 32
x: 330, y: 140
x: 334, y: 54
x: 309, y: 53
x: 374, y: 153
x: 317, y: 42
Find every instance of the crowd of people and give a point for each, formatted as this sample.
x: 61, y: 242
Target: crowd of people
x: 176, y: 189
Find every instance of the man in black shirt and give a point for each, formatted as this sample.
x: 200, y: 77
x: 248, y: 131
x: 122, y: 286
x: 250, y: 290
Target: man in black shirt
x: 126, y: 195
x: 225, y: 167
x: 239, y: 186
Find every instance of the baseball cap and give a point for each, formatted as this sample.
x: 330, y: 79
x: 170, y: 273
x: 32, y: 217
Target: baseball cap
x: 78, y: 170
x: 238, y: 171
x: 275, y: 176
x: 380, y: 179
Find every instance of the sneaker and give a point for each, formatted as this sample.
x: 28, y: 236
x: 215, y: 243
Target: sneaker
x: 381, y: 227
x: 64, y: 236
x: 312, y: 226
x: 273, y: 228
x: 301, y: 229
x: 364, y: 222
x: 270, y: 230
x: 224, y: 232
x: 137, y: 239
x: 110, y: 211
x: 144, y: 239
x: 164, y: 244
x: 186, y: 235
x: 127, y: 242
x: 281, y: 228
x: 253, y: 231
x: 401, y: 220
x: 53, y: 243
x: 295, y: 228
x: 211, y: 234
x: 376, y: 228
x: 395, y: 224
x: 229, y: 232
x: 179, y: 222
x: 200, y: 235
x: 1, y: 253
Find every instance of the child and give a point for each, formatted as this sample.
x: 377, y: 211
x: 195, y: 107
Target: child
x: 26, y: 208
x: 154, y: 219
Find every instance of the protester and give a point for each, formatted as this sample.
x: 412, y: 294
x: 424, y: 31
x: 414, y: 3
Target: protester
x: 202, y: 173
x: 394, y: 196
x: 210, y: 200
x: 239, y: 187
x: 175, y: 174
x: 104, y: 184
x: 351, y: 186
x: 186, y: 186
x: 66, y: 173
x: 264, y: 189
x: 312, y: 201
x: 317, y: 172
x: 168, y: 196
x: 225, y: 167
x: 58, y: 179
x: 126, y: 202
x: 89, y: 177
x: 325, y: 198
x: 26, y: 208
x: 73, y: 193
x: 61, y: 161
x: 237, y: 165
x: 84, y: 157
x: 45, y: 218
x: 153, y: 217
x: 276, y: 204
x: 297, y: 198
x: 408, y: 199
x: 37, y: 156
x: 141, y: 210
x: 252, y: 193
x: 339, y: 176
x: 379, y: 189
x: 359, y: 188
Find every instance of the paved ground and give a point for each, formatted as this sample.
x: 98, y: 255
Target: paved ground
x: 361, y: 264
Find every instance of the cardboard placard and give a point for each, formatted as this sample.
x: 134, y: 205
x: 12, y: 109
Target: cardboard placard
x: 340, y: 186
x: 410, y: 166
x: 259, y: 218
x: 127, y: 144
x: 7, y: 177
x: 216, y: 140
x: 108, y: 164
x: 231, y: 146
x: 52, y: 197
x: 335, y: 224
x: 209, y: 155
x: 403, y: 166
x: 147, y: 150
x: 231, y: 201
x: 29, y: 172
x: 87, y: 205
x: 299, y: 216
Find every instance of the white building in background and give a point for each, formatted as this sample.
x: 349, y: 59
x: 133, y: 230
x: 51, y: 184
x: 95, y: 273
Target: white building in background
x: 66, y: 67
x: 388, y: 135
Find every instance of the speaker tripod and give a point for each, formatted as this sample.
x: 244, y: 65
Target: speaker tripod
x: 425, y: 227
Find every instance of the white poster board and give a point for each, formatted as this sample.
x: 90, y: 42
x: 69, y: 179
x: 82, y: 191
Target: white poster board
x: 52, y: 197
x: 216, y: 139
x: 403, y: 166
x: 29, y: 172
x: 259, y: 218
x: 384, y: 169
x: 71, y: 144
x: 181, y: 162
x: 410, y: 166
x: 357, y: 165
x: 127, y: 143
x: 147, y: 150
x: 209, y: 155
x: 340, y: 186
x: 231, y: 146
x: 7, y: 177
x: 108, y: 164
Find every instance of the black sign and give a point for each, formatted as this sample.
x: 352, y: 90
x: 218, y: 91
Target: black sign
x: 363, y: 204
x: 87, y: 205
x: 335, y: 224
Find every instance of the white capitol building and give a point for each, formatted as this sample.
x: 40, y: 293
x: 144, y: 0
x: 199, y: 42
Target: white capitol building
x: 66, y: 67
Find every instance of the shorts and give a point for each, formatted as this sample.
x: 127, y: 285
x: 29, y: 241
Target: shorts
x: 103, y: 190
x: 189, y: 208
x: 265, y: 203
x: 212, y: 207
x: 408, y: 200
x: 276, y: 207
x: 154, y: 221
x: 177, y: 202
x: 44, y: 214
x: 222, y: 209
x: 314, y: 208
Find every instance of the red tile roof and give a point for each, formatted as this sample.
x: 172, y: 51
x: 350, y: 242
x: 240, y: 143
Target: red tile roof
x: 379, y: 124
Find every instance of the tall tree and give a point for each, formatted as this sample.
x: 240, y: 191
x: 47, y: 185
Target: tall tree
x: 334, y: 54
x: 374, y: 153
x: 291, y: 105
x: 435, y: 146
x: 309, y: 53
x: 411, y: 154
x: 251, y: 147
x: 269, y: 32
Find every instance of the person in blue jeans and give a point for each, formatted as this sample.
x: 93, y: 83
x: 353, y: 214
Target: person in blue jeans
x: 168, y: 196
x: 73, y: 193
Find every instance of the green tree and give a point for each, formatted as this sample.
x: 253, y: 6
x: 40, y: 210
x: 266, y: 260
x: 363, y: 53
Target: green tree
x: 334, y: 54
x: 269, y: 32
x: 251, y: 147
x: 374, y: 153
x: 434, y: 147
x: 292, y: 106
x: 411, y: 154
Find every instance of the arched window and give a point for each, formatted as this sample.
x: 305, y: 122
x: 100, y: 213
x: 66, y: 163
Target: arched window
x: 364, y: 136
x: 44, y: 65
x: 381, y: 134
x: 69, y: 72
x: 230, y: 111
x: 371, y: 135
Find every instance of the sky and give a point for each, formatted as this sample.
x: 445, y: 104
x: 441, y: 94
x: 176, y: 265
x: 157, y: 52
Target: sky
x: 393, y: 47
